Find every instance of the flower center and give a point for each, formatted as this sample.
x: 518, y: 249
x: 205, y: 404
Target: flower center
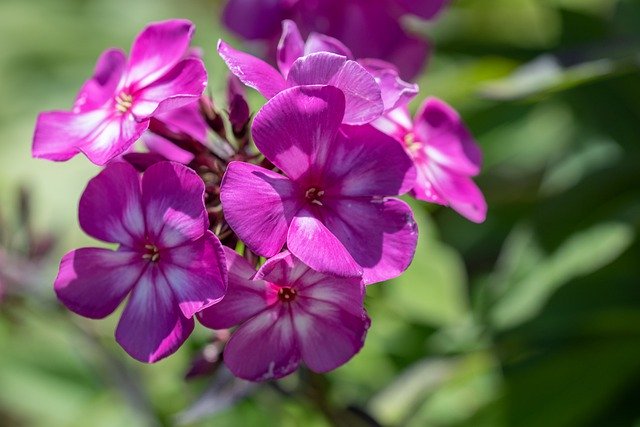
x: 286, y: 294
x: 124, y: 101
x: 314, y: 195
x: 411, y: 142
x: 153, y: 253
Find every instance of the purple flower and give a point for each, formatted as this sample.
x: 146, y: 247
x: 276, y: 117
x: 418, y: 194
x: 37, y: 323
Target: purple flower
x: 445, y: 154
x: 287, y: 313
x: 330, y: 207
x: 370, y: 88
x: 370, y: 28
x: 113, y: 108
x: 168, y: 261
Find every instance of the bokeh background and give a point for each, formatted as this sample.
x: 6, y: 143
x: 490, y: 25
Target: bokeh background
x: 530, y: 319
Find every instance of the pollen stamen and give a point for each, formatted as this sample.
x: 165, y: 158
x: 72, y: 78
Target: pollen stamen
x: 286, y: 294
x: 153, y: 253
x: 124, y: 102
x: 313, y: 195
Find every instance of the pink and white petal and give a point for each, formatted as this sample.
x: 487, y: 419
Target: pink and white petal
x: 426, y: 9
x: 395, y: 91
x: 245, y: 296
x: 285, y: 269
x: 424, y: 188
x: 447, y: 140
x: 152, y: 326
x: 381, y: 235
x: 282, y: 128
x: 101, y: 87
x: 110, y: 208
x: 362, y: 93
x: 264, y: 347
x: 258, y: 205
x: 112, y: 138
x: 252, y: 71
x: 328, y: 335
x: 173, y: 202
x: 196, y: 273
x: 156, y: 50
x: 459, y: 192
x: 185, y: 120
x: 367, y: 162
x: 315, y: 245
x: 182, y: 85
x: 344, y: 292
x: 395, y: 123
x: 290, y: 47
x: 93, y: 282
x: 317, y: 42
x: 167, y: 149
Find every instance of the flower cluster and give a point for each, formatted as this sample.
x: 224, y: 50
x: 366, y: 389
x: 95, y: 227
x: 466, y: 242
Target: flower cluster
x: 273, y: 227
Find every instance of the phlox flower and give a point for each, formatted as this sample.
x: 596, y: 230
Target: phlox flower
x: 287, y: 314
x: 113, y: 108
x: 330, y: 207
x: 445, y: 154
x: 370, y: 88
x: 168, y: 262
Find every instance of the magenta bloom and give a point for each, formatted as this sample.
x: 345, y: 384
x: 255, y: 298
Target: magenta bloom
x: 370, y: 28
x: 445, y: 154
x: 330, y: 207
x: 113, y: 108
x: 168, y: 261
x: 287, y: 313
x: 370, y: 88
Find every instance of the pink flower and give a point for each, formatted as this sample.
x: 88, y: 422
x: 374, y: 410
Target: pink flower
x: 370, y: 87
x: 113, y: 108
x: 287, y: 313
x: 168, y: 261
x: 330, y: 206
x: 445, y: 155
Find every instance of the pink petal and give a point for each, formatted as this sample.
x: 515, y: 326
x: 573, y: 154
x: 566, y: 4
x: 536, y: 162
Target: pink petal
x: 100, y: 134
x: 315, y: 245
x: 244, y: 299
x: 290, y: 47
x: 258, y: 205
x: 395, y: 123
x: 380, y: 235
x: 110, y: 207
x: 367, y: 163
x: 182, y: 85
x: 152, y: 326
x: 173, y: 200
x: 447, y: 141
x: 362, y: 93
x: 426, y: 9
x: 281, y: 129
x: 264, y: 347
x: 286, y: 269
x: 255, y: 19
x: 320, y: 43
x: 156, y: 50
x: 197, y: 273
x: 167, y: 149
x: 186, y: 120
x: 93, y: 282
x: 252, y: 71
x: 101, y: 88
x: 395, y: 91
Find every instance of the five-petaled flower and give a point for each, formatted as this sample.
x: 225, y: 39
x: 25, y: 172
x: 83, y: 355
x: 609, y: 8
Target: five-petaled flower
x: 167, y: 260
x: 331, y: 206
x: 445, y: 155
x: 287, y: 313
x: 113, y: 108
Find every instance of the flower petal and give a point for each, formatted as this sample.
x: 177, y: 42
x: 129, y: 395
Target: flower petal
x: 156, y: 50
x: 180, y: 86
x: 315, y: 245
x: 173, y: 200
x: 264, y: 347
x: 196, y: 273
x: 426, y: 9
x: 152, y: 326
x: 254, y: 19
x: 447, y: 140
x: 258, y: 205
x: 290, y: 47
x: 110, y: 208
x: 295, y: 128
x: 252, y: 71
x: 381, y: 235
x: 367, y: 163
x: 362, y: 93
x: 93, y: 282
x: 317, y: 42
x: 101, y: 87
x: 395, y: 91
x: 185, y: 120
x: 166, y: 149
x: 244, y: 299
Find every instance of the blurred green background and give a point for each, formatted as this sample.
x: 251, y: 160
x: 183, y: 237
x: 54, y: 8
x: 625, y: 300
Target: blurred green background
x: 531, y: 319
